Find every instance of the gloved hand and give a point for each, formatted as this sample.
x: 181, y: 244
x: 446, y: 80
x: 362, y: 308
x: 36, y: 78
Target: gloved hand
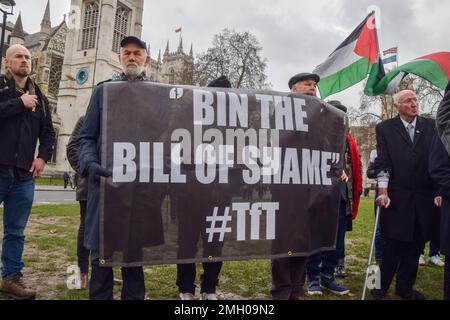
x: 96, y: 169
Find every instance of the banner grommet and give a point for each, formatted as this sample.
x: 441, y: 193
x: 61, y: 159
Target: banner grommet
x: 289, y: 253
x: 210, y: 258
x: 102, y: 262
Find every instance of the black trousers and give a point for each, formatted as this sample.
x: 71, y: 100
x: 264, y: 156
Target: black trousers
x: 102, y: 282
x: 209, y: 279
x: 447, y: 278
x: 82, y: 252
x: 288, y: 277
x: 401, y: 258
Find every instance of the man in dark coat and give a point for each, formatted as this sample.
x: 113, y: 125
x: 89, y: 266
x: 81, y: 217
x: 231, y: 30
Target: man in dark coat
x: 443, y: 119
x: 288, y: 274
x: 133, y: 59
x: 350, y: 195
x: 321, y: 266
x: 406, y: 194
x: 439, y: 167
x: 81, y: 197
x: 66, y: 178
x: 192, y: 205
x: 440, y: 170
x: 25, y: 118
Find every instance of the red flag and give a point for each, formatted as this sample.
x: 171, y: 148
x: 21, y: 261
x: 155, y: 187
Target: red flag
x: 178, y: 29
x: 366, y: 45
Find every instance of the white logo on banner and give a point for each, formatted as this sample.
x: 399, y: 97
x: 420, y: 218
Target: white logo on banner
x: 374, y: 277
x: 176, y: 93
x: 73, y: 281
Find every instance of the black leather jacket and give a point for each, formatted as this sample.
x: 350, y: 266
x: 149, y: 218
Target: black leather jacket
x: 20, y: 128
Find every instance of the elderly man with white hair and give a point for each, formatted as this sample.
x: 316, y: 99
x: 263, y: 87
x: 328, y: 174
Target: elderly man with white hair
x: 25, y: 118
x: 406, y: 194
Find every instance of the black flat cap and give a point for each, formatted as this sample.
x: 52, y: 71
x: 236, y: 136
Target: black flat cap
x: 221, y: 82
x: 302, y: 77
x: 338, y: 105
x: 135, y: 40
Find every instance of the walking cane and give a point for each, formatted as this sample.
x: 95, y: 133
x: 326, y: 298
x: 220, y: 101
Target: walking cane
x: 371, y: 269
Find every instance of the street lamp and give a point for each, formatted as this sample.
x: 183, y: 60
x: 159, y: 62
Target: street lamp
x: 6, y: 6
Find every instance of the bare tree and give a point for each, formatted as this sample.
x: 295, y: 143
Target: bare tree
x: 382, y: 107
x: 378, y: 108
x: 236, y: 55
x: 429, y: 96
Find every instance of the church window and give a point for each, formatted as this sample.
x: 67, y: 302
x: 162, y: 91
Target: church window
x: 90, y: 25
x: 172, y: 76
x: 46, y: 75
x: 55, y: 75
x: 120, y: 26
x: 34, y: 63
x: 55, y: 147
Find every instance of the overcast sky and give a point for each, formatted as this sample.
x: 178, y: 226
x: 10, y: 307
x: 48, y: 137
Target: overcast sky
x: 295, y: 35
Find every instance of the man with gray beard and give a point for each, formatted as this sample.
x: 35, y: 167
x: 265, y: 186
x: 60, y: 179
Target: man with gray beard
x: 134, y: 59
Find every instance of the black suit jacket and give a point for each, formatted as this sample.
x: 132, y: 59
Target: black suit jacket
x: 411, y: 188
x: 443, y: 119
x: 439, y: 168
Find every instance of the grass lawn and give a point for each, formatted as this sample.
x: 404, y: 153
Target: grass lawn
x: 51, y: 248
x: 49, y: 182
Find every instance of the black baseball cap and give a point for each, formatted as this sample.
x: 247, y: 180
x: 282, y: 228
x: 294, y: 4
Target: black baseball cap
x: 135, y: 40
x: 221, y: 82
x: 302, y: 77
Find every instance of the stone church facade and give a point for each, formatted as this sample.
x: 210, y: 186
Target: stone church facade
x: 71, y: 58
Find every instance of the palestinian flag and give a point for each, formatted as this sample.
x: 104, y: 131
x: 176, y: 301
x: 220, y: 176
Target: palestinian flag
x: 433, y: 67
x: 351, y: 61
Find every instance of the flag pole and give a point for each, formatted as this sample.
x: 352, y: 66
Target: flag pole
x: 376, y: 34
x: 180, y: 31
x: 372, y: 246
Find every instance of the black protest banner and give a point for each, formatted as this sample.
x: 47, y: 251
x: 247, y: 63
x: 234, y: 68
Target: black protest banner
x: 211, y: 174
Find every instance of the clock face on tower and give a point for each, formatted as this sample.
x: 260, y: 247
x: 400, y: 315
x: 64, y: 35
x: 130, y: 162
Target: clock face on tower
x: 82, y: 76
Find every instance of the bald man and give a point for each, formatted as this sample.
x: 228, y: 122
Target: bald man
x: 25, y: 118
x: 406, y: 194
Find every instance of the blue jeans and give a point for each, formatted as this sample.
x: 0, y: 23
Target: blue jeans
x: 321, y: 264
x: 17, y: 197
x: 324, y: 263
